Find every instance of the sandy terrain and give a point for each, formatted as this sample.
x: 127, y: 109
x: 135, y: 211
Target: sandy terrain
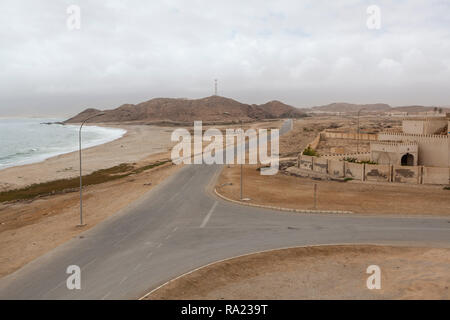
x: 325, y: 272
x: 294, y: 192
x: 138, y: 143
x: 29, y: 229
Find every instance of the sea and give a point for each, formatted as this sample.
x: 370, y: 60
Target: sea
x: 30, y: 140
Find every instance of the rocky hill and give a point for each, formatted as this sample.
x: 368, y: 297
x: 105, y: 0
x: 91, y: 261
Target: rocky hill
x: 209, y: 109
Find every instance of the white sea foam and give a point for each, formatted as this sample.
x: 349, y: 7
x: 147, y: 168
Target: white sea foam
x: 24, y: 141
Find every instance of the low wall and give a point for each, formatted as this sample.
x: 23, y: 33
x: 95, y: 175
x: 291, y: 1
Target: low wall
x: 336, y: 168
x: 374, y: 172
x: 406, y: 174
x: 433, y: 175
x: 354, y: 170
x: 320, y: 165
x: 315, y: 142
x: 305, y: 162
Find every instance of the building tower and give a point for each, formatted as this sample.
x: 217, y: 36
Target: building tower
x: 215, y: 87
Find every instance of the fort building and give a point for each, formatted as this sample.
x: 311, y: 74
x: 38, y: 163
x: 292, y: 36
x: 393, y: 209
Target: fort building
x: 421, y: 141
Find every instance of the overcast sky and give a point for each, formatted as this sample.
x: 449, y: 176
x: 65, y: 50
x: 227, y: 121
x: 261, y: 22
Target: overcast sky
x: 302, y: 52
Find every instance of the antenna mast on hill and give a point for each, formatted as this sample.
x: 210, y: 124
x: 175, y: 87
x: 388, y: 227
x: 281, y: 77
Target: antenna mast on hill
x: 215, y: 87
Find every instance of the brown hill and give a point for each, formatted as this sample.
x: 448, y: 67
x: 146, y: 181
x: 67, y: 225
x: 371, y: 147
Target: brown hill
x: 349, y: 107
x: 210, y: 109
x: 280, y: 110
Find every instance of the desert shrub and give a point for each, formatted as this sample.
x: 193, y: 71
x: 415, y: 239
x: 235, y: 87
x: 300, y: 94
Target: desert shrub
x: 355, y: 160
x: 310, y: 152
x: 73, y: 184
x: 368, y: 162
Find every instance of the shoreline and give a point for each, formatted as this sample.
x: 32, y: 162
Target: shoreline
x: 92, y: 144
x: 137, y: 143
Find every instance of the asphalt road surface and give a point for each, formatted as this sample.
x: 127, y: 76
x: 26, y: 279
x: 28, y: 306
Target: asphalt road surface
x: 180, y: 225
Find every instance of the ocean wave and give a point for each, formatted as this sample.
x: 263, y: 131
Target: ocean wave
x: 29, y: 142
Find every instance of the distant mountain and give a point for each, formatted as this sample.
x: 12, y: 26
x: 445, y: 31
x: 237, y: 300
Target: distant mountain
x: 349, y: 107
x: 343, y: 107
x: 209, y: 109
x: 278, y: 109
x: 419, y: 109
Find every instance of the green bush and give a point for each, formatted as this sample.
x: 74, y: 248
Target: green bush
x: 73, y: 184
x: 368, y: 162
x: 310, y: 152
x: 355, y: 160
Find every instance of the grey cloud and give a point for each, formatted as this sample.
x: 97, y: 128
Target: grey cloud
x: 301, y: 52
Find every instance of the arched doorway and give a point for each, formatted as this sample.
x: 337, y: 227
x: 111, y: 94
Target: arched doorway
x: 408, y: 160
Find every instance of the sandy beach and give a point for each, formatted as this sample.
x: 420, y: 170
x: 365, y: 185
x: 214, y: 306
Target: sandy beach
x: 139, y: 142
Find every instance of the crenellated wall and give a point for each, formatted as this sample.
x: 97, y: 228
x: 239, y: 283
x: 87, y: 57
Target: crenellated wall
x: 426, y: 126
x: 433, y: 149
x: 348, y: 135
x: 360, y: 156
x: 388, y: 152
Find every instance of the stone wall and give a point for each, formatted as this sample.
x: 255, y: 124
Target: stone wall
x: 349, y: 135
x: 336, y: 168
x: 315, y: 142
x: 361, y: 156
x: 383, y: 152
x: 407, y: 174
x: 433, y: 149
x: 375, y: 172
x: 354, y: 170
x: 320, y: 165
x: 435, y: 175
x: 305, y: 162
x: 423, y: 126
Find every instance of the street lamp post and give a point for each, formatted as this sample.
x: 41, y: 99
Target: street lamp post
x: 81, y: 176
x: 242, y: 156
x: 357, y: 141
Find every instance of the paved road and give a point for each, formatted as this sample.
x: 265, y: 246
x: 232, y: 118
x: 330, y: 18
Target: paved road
x: 180, y: 225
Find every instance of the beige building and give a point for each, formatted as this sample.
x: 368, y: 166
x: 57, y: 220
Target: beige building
x: 423, y: 141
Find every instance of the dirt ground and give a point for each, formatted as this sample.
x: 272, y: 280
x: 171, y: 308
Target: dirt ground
x: 323, y: 272
x: 29, y: 229
x: 282, y: 190
x: 306, y: 129
x: 294, y: 192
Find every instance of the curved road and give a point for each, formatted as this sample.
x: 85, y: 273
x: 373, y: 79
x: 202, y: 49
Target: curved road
x: 180, y: 225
